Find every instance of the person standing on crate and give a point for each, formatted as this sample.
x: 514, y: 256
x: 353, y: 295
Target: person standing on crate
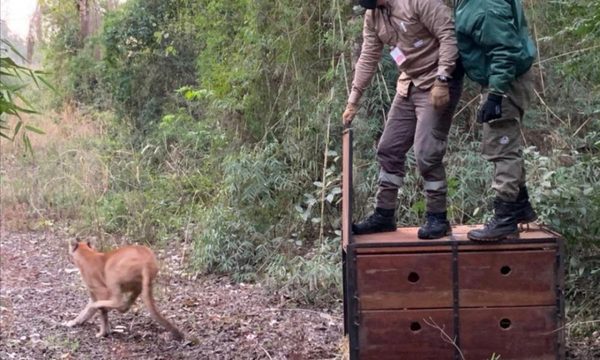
x: 497, y: 52
x: 420, y: 34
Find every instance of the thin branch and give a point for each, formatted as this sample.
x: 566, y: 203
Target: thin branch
x: 345, y: 74
x: 539, y: 56
x: 387, y: 90
x: 444, y: 336
x: 379, y: 78
x: 465, y: 107
x: 549, y: 109
x: 324, y: 184
x: 582, y: 125
x: 567, y: 53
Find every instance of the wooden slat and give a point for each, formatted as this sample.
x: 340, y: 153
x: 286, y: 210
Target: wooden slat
x: 404, y: 281
x: 407, y: 237
x: 531, y: 335
x: 394, y: 335
x: 346, y: 187
x: 463, y: 248
x: 509, y: 278
x: 402, y: 250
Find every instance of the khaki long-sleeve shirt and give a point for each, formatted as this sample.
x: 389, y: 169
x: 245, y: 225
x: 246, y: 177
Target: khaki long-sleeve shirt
x: 423, y: 30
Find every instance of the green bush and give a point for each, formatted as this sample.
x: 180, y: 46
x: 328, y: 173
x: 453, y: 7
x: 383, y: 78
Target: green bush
x: 227, y: 244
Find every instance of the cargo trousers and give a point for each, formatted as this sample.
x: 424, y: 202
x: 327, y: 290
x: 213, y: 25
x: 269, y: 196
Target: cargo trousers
x: 502, y: 142
x: 413, y: 121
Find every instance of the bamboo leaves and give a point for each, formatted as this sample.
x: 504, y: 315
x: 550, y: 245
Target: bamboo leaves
x: 14, y: 78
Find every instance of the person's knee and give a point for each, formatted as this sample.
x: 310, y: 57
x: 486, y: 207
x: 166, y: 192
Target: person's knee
x: 428, y: 162
x: 384, y: 152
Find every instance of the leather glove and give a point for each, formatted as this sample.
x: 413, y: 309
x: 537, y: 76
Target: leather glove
x: 491, y: 109
x: 349, y: 113
x: 439, y: 94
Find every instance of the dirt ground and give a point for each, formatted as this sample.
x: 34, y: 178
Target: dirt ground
x: 40, y: 289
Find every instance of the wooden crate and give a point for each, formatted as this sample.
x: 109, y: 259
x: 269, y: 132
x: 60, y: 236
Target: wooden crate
x: 450, y: 298
x: 429, y: 299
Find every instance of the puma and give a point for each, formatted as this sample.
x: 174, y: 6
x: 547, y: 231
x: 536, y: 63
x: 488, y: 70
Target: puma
x: 110, y: 276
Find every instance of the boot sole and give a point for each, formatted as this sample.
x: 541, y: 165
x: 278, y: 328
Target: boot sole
x: 494, y: 239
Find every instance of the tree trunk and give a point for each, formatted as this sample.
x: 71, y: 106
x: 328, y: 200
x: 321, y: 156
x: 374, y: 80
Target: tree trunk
x: 84, y: 19
x: 34, y: 34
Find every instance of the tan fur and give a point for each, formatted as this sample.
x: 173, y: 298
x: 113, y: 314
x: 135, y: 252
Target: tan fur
x: 109, y: 276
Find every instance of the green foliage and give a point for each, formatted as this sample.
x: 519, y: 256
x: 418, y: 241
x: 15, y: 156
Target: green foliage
x: 14, y: 78
x: 314, y: 277
x: 160, y: 188
x: 151, y: 50
x: 61, y: 47
x: 582, y: 281
x: 228, y: 244
x: 568, y: 197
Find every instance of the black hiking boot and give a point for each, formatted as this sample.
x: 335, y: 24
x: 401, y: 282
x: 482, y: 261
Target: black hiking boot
x: 526, y: 214
x: 381, y: 220
x: 502, y: 226
x: 437, y: 226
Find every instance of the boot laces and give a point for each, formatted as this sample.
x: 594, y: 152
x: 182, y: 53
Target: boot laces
x: 370, y: 219
x: 373, y: 219
x: 492, y: 223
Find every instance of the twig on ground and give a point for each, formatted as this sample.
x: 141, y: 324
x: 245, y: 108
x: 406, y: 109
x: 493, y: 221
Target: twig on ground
x: 265, y: 350
x: 444, y: 336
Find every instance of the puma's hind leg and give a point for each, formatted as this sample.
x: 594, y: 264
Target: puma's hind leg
x: 132, y: 297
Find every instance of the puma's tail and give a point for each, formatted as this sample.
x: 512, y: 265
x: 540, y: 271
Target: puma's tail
x: 149, y: 301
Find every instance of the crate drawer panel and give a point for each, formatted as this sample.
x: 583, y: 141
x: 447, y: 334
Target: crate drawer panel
x: 510, y: 278
x: 528, y: 333
x: 404, y: 334
x: 394, y: 281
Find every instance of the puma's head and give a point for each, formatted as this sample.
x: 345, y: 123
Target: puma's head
x: 78, y: 244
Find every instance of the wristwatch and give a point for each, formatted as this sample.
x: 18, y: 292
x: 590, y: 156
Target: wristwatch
x: 443, y: 78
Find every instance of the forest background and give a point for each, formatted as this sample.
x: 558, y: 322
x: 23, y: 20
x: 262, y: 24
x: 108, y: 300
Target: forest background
x: 218, y: 124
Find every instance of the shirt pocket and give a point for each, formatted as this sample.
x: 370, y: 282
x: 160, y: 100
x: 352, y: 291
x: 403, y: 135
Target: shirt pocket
x: 411, y: 34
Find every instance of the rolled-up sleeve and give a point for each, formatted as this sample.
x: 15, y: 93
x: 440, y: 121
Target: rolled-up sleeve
x: 370, y: 54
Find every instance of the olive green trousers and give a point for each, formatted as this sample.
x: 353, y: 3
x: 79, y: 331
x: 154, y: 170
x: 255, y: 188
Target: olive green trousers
x: 502, y: 140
